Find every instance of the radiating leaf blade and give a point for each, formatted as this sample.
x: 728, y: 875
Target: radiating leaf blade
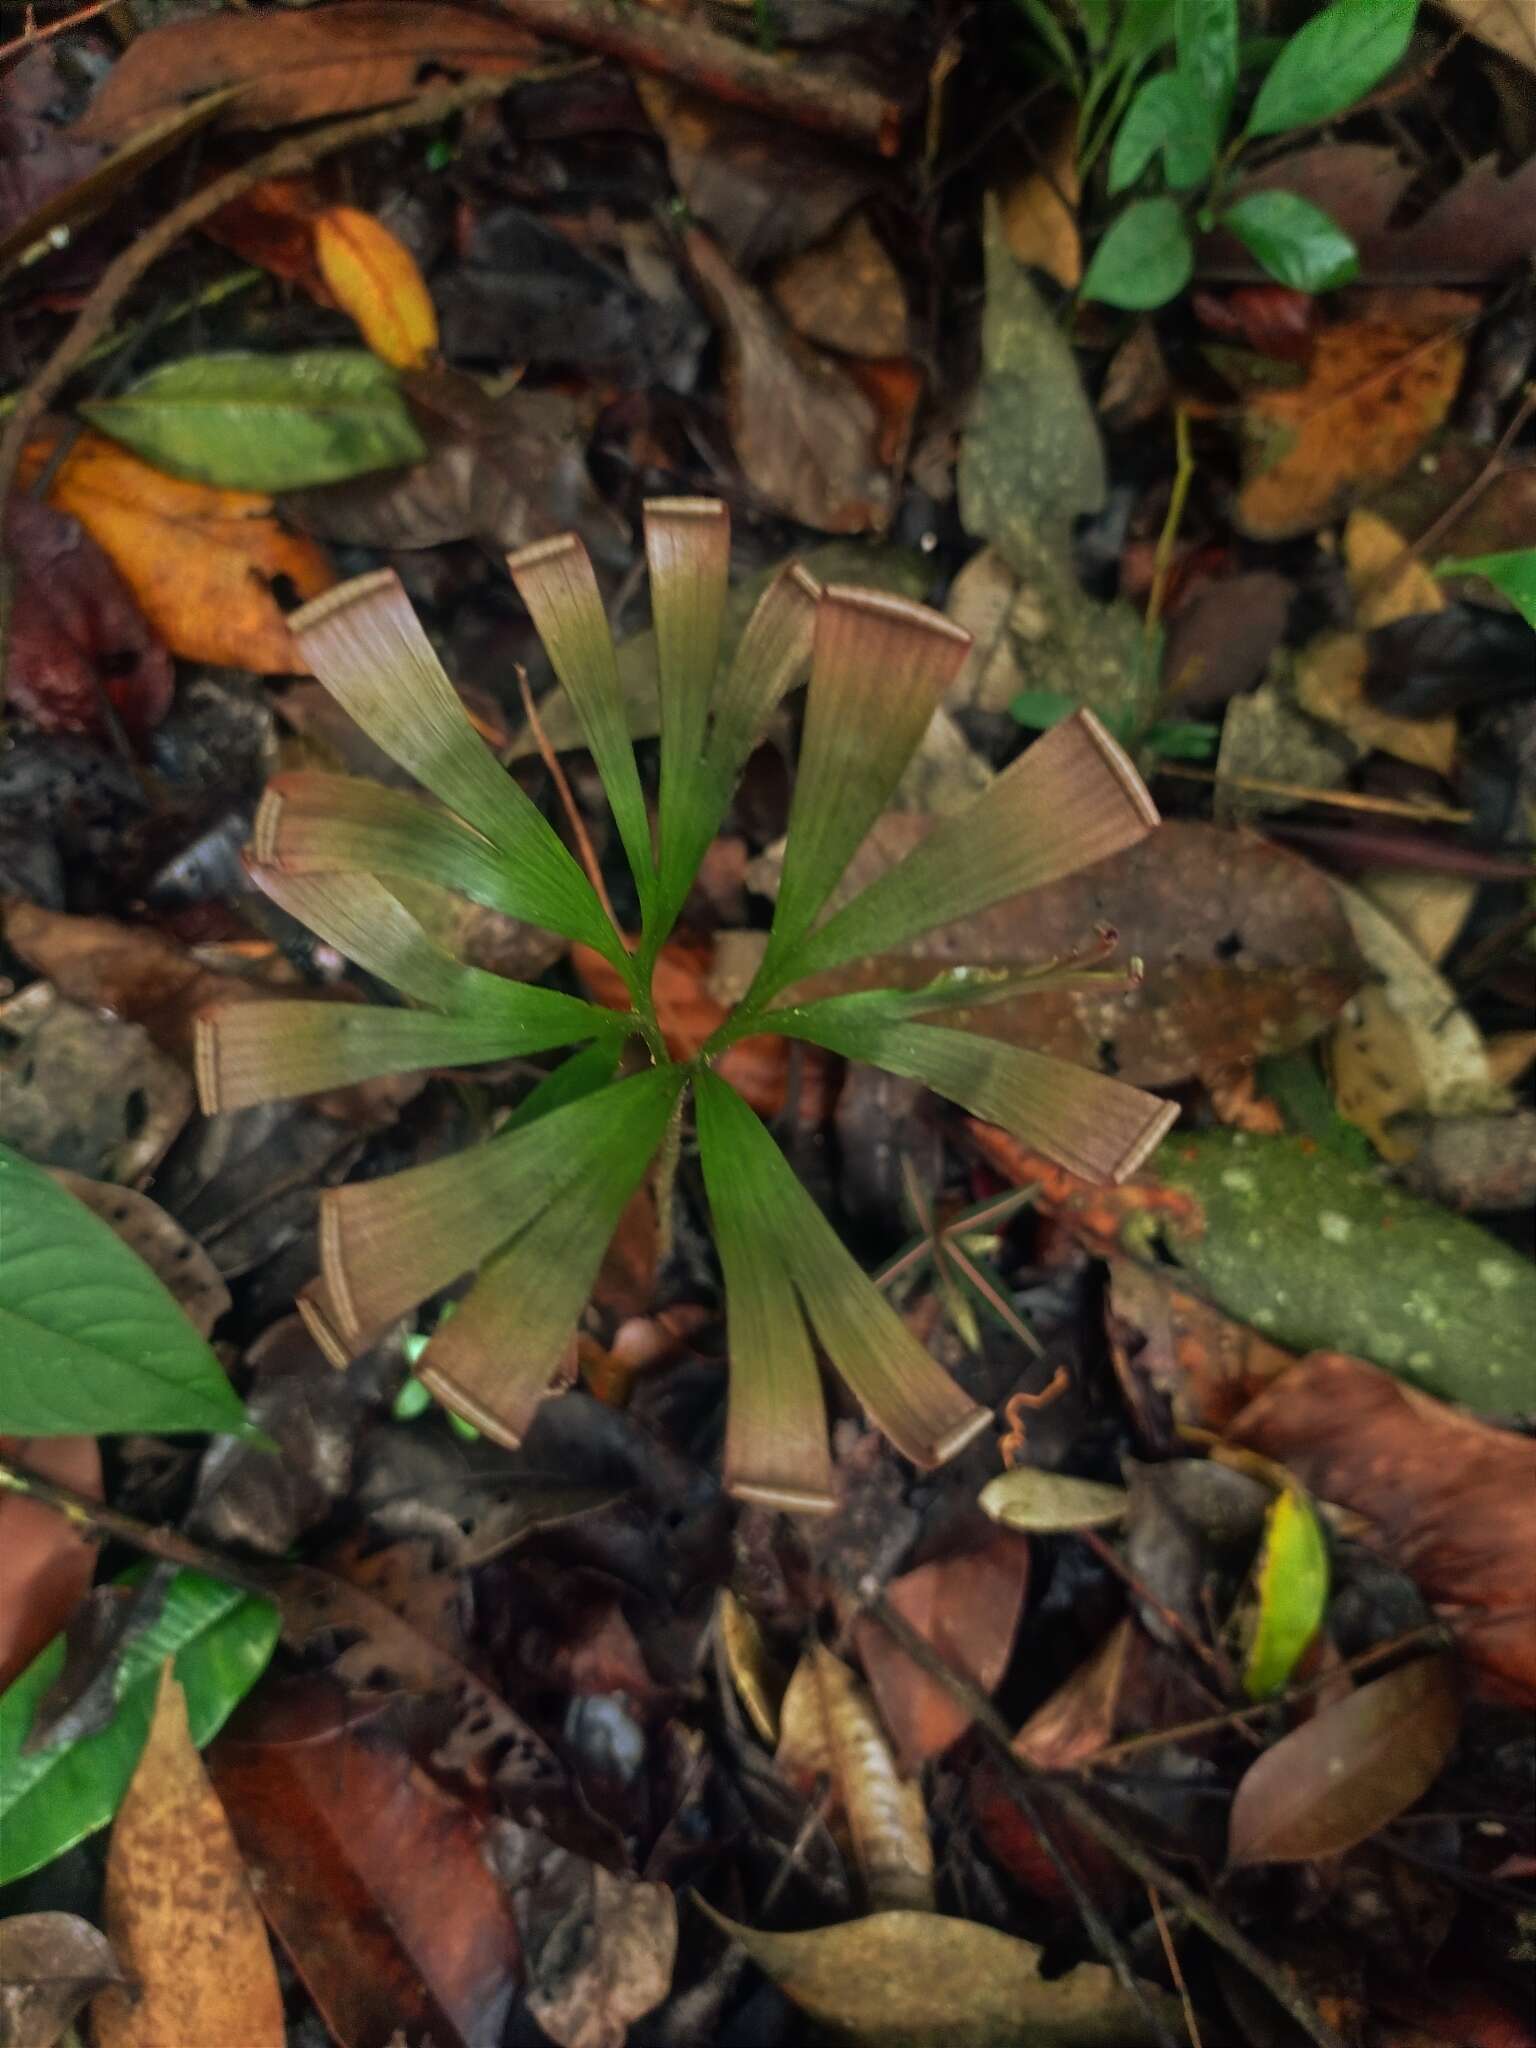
x: 688, y: 549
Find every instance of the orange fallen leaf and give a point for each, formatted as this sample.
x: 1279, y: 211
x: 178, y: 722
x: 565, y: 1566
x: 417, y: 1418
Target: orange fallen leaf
x: 373, y: 276
x: 179, y: 1909
x: 1377, y: 386
x: 199, y: 561
x: 48, y: 1562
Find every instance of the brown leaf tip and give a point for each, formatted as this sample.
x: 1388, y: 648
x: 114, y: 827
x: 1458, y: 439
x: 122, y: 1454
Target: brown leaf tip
x: 1122, y: 767
x: 205, y: 1061
x: 903, y: 611
x: 378, y: 582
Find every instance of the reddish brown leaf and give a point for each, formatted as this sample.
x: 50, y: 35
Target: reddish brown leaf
x: 967, y: 1607
x: 1339, y: 1777
x: 79, y: 644
x: 38, y: 158
x: 846, y: 293
x: 371, y: 1877
x: 1451, y: 1500
x: 48, y: 1561
x: 1270, y: 318
x: 298, y: 67
x: 273, y: 226
x: 1181, y: 1361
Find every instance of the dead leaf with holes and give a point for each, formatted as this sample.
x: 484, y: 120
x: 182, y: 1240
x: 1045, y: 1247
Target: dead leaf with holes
x: 1378, y: 385
x: 179, y: 1909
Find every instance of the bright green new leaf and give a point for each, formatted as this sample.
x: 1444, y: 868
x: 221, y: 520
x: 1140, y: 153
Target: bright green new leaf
x: 1172, y: 117
x: 1513, y: 572
x: 1332, y: 60
x: 1205, y: 35
x: 90, y: 1340
x: 1291, y: 1583
x: 50, y: 1799
x: 1294, y: 240
x: 251, y: 422
x: 1145, y: 260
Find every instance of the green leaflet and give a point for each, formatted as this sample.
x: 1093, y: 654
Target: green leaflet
x: 50, y: 1799
x: 1513, y: 572
x: 1205, y: 34
x: 1169, y: 116
x: 91, y: 1340
x: 1292, y: 1587
x: 1145, y: 260
x: 1332, y: 61
x: 1295, y: 241
x: 254, y: 422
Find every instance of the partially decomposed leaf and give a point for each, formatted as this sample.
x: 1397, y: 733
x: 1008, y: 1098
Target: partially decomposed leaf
x: 1039, y: 214
x: 1291, y: 1586
x: 933, y: 1982
x: 298, y: 67
x: 200, y: 562
x: 243, y: 421
x: 373, y: 276
x: 49, y: 1561
x: 1358, y: 1764
x: 374, y: 1881
x: 50, y: 1964
x: 1179, y: 1359
x: 172, y: 1254
x: 845, y: 293
x: 179, y: 1907
x: 1028, y: 1498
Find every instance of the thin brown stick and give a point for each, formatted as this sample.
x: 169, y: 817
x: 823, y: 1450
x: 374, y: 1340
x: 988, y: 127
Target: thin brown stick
x: 1175, y: 1968
x: 586, y: 852
x: 1444, y: 521
x: 32, y: 35
x: 1344, y: 799
x: 1025, y: 1778
x: 814, y: 95
x: 124, y: 271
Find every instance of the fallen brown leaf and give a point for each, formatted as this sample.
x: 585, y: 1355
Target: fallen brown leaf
x: 1377, y: 386
x: 845, y: 293
x: 1449, y: 1499
x: 1179, y: 1360
x: 172, y: 1254
x: 1039, y: 213
x: 199, y: 561
x: 48, y: 1560
x: 1503, y: 24
x: 179, y: 1909
x: 50, y: 1964
x: 372, y: 276
x: 298, y: 67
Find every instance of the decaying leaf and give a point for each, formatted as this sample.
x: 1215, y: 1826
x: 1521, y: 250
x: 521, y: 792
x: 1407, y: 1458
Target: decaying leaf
x: 81, y: 652
x: 830, y: 1732
x: 845, y: 293
x: 806, y: 435
x: 50, y: 1964
x: 373, y: 1879
x: 757, y: 1679
x: 933, y: 1982
x: 1028, y: 1498
x: 1179, y: 1360
x: 1358, y: 1764
x: 1449, y: 1499
x: 172, y: 1254
x: 200, y: 562
x: 1377, y: 387
x: 1039, y: 213
x: 1501, y: 24
x: 967, y: 1608
x: 371, y: 274
x: 179, y: 1909
x: 297, y: 67
x: 48, y: 1559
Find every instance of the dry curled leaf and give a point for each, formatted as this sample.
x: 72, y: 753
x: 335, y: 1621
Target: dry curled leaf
x: 179, y: 1908
x: 50, y: 1964
x: 200, y: 562
x: 371, y: 275
x: 172, y: 1254
x: 1377, y: 386
x: 845, y: 293
x: 1336, y: 1779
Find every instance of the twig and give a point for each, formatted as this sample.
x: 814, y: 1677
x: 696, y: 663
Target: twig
x: 584, y: 847
x: 299, y: 153
x: 1167, y: 540
x: 95, y: 1518
x: 1170, y: 1617
x: 1492, y: 468
x: 1175, y: 1968
x: 1345, y: 799
x: 812, y: 95
x: 1126, y: 1850
x: 32, y: 35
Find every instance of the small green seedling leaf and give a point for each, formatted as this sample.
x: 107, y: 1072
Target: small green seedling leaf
x: 221, y: 1639
x: 92, y: 1342
x: 1205, y: 34
x: 1294, y: 240
x: 1332, y: 61
x: 1513, y: 573
x: 1027, y: 1498
x: 1292, y: 1587
x: 252, y: 422
x: 1168, y: 116
x: 1145, y: 260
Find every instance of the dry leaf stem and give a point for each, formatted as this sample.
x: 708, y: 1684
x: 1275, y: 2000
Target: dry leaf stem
x: 1025, y: 1784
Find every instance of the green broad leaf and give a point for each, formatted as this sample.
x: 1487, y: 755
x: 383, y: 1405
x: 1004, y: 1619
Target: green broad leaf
x: 1332, y: 61
x: 251, y: 422
x: 1041, y: 709
x: 1205, y: 35
x: 1145, y: 260
x: 1182, y: 739
x: 1514, y: 573
x: 1171, y: 117
x: 1292, y: 1586
x: 1146, y: 26
x: 1294, y: 240
x: 91, y: 1342
x: 50, y: 1799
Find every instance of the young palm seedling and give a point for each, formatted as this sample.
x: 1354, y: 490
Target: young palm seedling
x: 533, y: 1208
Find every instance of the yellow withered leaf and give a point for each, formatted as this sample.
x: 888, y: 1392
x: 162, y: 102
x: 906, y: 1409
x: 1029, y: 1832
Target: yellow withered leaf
x: 373, y: 276
x: 199, y: 561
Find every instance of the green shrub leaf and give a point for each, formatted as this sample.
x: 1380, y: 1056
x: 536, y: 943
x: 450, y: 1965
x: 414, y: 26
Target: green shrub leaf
x: 1331, y: 62
x: 254, y: 422
x: 1145, y: 260
x: 1168, y: 115
x: 50, y: 1799
x: 1514, y: 573
x: 91, y: 1340
x: 1205, y: 35
x: 1294, y: 240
